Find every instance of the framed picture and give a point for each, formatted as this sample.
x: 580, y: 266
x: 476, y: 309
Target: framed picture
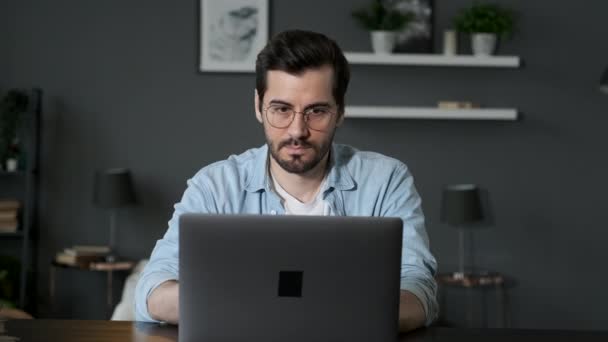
x: 418, y: 36
x: 232, y: 33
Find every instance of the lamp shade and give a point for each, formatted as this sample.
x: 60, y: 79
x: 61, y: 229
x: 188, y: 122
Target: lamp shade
x: 113, y: 188
x: 461, y: 204
x: 604, y: 81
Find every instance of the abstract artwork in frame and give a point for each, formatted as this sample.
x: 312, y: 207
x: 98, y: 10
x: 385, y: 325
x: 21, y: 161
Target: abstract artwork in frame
x: 232, y: 33
x: 418, y: 36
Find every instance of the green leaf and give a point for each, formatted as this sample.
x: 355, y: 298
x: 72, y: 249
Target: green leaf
x: 378, y: 17
x: 12, y: 107
x: 485, y: 18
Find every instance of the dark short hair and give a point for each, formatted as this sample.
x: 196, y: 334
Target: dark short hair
x: 296, y: 51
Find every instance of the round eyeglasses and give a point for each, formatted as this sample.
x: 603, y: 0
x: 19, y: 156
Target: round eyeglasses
x: 317, y: 118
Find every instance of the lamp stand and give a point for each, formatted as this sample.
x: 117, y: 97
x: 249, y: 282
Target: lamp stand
x: 461, y: 254
x: 112, y: 256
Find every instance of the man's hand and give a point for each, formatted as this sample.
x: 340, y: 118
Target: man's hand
x: 163, y: 303
x: 411, y: 312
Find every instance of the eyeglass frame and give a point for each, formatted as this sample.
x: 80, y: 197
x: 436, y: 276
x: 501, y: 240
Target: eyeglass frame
x: 293, y: 116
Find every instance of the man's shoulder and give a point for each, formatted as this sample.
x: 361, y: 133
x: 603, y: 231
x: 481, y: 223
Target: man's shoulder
x: 353, y: 158
x: 235, y: 167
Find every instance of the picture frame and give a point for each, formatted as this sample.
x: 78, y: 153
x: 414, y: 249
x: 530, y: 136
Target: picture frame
x: 232, y: 32
x: 418, y: 36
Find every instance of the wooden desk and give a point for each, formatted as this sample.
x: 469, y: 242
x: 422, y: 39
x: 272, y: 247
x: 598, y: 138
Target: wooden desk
x: 102, y: 331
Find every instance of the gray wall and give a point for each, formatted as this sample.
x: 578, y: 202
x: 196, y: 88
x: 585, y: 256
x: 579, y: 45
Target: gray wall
x: 122, y: 89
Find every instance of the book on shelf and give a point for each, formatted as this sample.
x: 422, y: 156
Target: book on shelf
x: 9, y: 226
x: 77, y: 260
x: 87, y: 250
x: 457, y: 105
x: 8, y: 214
x: 8, y: 230
x: 91, y: 249
x: 9, y: 204
x: 112, y: 266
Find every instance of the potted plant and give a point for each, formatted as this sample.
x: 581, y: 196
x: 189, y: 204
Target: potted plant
x: 12, y: 157
x: 486, y: 23
x: 12, y: 107
x: 383, y: 22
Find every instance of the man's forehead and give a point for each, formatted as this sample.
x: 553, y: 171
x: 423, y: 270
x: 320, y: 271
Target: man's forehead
x: 309, y: 79
x: 324, y: 71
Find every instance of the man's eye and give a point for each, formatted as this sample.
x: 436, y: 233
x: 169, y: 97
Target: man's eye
x: 317, y: 111
x: 281, y: 109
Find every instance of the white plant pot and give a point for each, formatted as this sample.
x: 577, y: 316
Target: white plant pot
x: 383, y: 42
x: 483, y: 44
x: 11, y: 165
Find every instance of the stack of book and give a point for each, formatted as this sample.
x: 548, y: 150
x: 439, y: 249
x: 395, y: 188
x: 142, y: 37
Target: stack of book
x: 9, y: 209
x: 82, y: 256
x: 457, y: 105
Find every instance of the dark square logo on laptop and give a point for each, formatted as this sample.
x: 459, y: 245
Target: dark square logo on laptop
x: 290, y: 283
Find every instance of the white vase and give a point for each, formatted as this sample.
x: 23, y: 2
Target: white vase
x: 11, y: 165
x: 483, y: 44
x: 450, y: 42
x: 383, y: 42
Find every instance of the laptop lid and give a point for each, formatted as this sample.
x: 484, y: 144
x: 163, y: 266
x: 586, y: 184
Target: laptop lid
x: 289, y: 278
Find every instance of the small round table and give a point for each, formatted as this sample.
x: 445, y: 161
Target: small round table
x: 108, y: 267
x: 483, y: 281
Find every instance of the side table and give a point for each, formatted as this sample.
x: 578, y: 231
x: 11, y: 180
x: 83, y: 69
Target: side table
x: 109, y: 267
x: 483, y: 281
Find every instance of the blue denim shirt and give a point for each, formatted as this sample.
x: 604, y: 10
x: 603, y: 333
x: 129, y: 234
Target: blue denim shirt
x: 358, y: 184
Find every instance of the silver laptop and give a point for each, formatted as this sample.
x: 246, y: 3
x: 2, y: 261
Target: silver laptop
x: 289, y: 278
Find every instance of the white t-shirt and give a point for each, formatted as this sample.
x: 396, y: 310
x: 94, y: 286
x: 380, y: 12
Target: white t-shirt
x: 317, y: 206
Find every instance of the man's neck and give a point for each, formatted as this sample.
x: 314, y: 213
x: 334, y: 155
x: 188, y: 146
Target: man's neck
x: 303, y: 187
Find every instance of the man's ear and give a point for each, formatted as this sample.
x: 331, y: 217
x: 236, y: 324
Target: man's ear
x: 256, y: 101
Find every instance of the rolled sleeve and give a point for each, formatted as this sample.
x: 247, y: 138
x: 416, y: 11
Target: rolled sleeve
x: 145, y: 286
x: 418, y: 265
x: 163, y: 266
x: 164, y: 261
x: 425, y: 291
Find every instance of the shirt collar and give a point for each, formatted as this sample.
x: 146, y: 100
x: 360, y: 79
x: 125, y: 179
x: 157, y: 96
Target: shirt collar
x: 259, y: 174
x: 338, y: 177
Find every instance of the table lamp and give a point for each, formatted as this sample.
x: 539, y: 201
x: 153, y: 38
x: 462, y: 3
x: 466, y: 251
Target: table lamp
x: 604, y: 82
x: 461, y: 206
x: 113, y: 189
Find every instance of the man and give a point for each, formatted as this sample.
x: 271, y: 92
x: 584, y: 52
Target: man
x: 301, y: 79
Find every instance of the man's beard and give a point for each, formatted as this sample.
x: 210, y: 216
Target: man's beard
x: 295, y: 164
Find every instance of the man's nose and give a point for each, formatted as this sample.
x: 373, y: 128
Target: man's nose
x: 298, y: 127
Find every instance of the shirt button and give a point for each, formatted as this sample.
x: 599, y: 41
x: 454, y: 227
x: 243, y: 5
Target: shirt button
x: 273, y: 212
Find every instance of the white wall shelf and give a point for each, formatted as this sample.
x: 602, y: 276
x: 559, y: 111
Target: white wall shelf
x: 385, y: 112
x: 433, y: 60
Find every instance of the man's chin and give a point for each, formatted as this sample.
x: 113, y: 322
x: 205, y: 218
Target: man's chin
x: 295, y: 166
x: 298, y: 161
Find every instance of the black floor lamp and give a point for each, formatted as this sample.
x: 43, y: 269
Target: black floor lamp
x: 460, y: 207
x: 113, y: 190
